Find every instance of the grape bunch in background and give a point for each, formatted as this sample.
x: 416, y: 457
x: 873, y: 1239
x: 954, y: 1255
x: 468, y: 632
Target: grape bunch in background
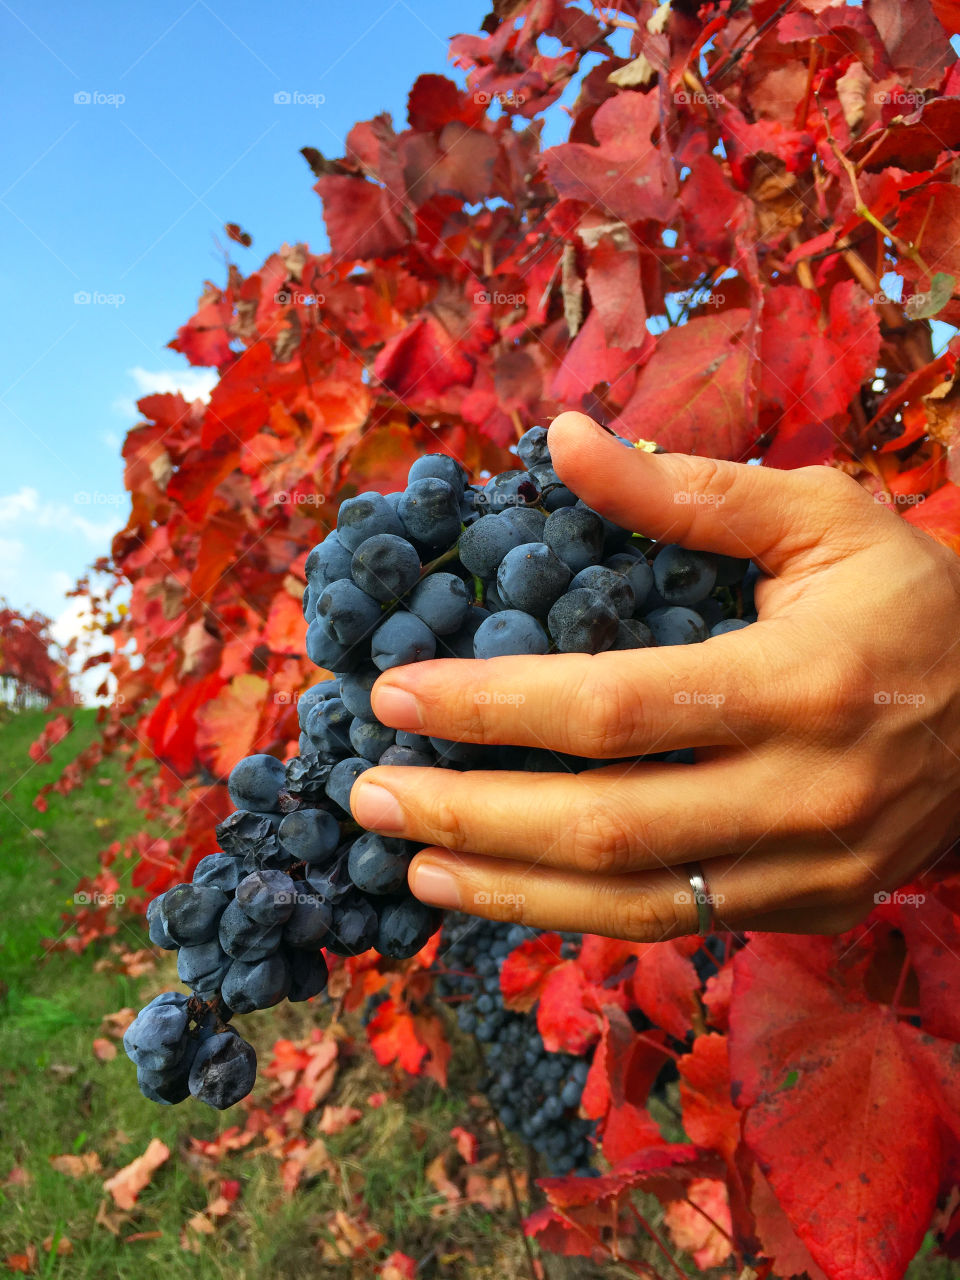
x: 535, y: 1093
x: 446, y: 569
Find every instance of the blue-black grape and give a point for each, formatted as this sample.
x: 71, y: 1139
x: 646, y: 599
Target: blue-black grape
x: 676, y: 625
x: 259, y: 984
x: 349, y: 612
x: 483, y: 546
x: 509, y: 632
x: 401, y: 639
x: 355, y: 692
x: 439, y: 467
x: 385, y: 567
x: 610, y: 583
x: 576, y: 535
x: 531, y: 577
x: 684, y: 577
x: 309, y: 835
x: 583, y: 621
x: 223, y: 1071
x: 342, y: 777
x: 728, y: 624
x: 371, y: 740
x: 440, y: 601
x: 255, y: 783
x: 191, y: 913
x: 378, y: 864
x: 365, y: 516
x: 430, y: 511
x: 267, y: 897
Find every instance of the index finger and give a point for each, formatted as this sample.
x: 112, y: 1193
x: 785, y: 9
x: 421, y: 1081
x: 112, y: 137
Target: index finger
x: 723, y: 691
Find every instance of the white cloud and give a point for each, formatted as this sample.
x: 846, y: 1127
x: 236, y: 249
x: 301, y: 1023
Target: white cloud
x: 193, y: 384
x: 11, y: 551
x: 26, y: 509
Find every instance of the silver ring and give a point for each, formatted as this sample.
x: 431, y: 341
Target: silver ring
x: 701, y: 896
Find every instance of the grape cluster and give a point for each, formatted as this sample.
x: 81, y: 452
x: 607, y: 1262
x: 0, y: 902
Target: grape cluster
x: 517, y: 565
x: 536, y: 1094
x: 293, y: 875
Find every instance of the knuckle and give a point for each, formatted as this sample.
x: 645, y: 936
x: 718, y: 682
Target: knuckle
x: 848, y: 809
x: 643, y: 917
x: 602, y: 841
x: 606, y: 718
x: 444, y: 824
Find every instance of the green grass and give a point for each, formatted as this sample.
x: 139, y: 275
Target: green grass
x: 57, y: 1097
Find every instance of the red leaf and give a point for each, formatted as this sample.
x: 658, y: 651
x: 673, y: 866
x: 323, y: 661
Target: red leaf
x: 361, y: 218
x: 434, y: 100
x: 939, y: 515
x: 690, y: 394
x: 227, y: 725
x: 567, y: 1017
x: 466, y: 1143
x: 820, y: 1071
x: 526, y: 969
x: 709, y: 1117
x: 422, y: 362
x: 811, y: 366
x: 625, y: 175
x: 613, y: 278
x: 665, y: 985
x: 393, y: 1038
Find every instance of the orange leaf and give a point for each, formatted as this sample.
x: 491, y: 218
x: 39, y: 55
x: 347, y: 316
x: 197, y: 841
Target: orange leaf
x: 127, y: 1183
x: 336, y: 1119
x: 105, y: 1050
x: 466, y: 1143
x: 76, y: 1166
x: 227, y: 725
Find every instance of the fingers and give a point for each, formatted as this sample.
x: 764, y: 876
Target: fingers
x: 606, y: 705
x: 641, y: 908
x: 597, y: 822
x: 767, y: 515
x: 766, y: 893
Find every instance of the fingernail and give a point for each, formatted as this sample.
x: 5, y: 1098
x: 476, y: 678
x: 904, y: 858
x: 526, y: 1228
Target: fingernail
x: 375, y: 807
x: 397, y: 708
x: 434, y: 885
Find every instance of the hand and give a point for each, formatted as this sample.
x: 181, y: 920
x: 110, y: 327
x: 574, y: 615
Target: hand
x: 827, y: 734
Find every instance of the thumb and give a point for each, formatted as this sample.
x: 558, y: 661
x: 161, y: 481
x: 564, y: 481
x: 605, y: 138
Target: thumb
x: 769, y: 516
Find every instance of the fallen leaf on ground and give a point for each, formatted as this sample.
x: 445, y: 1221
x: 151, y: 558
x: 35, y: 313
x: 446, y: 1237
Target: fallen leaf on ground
x: 127, y: 1183
x: 77, y: 1166
x: 105, y: 1050
x: 64, y: 1246
x: 336, y: 1119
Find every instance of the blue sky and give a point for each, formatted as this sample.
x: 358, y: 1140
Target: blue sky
x: 126, y: 199
x: 123, y: 197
